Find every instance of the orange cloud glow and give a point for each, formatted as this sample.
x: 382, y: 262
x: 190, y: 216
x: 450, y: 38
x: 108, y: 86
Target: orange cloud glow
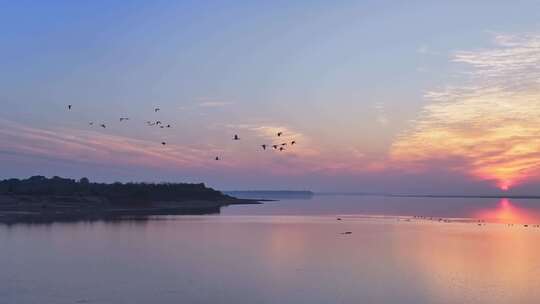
x: 490, y: 129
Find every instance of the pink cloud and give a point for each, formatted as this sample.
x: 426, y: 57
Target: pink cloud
x: 94, y: 147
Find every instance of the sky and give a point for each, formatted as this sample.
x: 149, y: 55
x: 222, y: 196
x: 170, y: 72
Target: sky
x: 380, y: 96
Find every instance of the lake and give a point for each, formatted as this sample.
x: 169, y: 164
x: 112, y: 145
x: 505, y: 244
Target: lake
x: 523, y: 211
x: 292, y: 251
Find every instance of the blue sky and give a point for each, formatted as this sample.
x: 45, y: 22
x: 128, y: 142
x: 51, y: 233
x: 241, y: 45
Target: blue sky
x: 348, y: 79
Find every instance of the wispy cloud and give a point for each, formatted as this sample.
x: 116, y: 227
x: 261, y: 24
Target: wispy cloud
x: 489, y: 128
x: 85, y: 146
x: 307, y: 156
x: 381, y: 116
x: 214, y: 104
x: 426, y: 50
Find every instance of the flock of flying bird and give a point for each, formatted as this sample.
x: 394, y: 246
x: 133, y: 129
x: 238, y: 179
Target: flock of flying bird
x: 278, y: 147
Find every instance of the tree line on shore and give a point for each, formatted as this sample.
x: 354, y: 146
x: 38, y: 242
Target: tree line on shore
x: 142, y: 192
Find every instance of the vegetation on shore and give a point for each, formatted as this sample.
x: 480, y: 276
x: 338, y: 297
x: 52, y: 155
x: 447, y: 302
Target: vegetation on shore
x: 116, y: 192
x: 39, y: 198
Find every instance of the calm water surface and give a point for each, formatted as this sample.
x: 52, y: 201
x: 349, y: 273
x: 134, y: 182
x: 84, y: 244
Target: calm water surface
x: 281, y: 253
x: 488, y: 209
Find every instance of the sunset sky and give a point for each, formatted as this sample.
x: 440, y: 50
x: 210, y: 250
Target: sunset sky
x: 423, y: 96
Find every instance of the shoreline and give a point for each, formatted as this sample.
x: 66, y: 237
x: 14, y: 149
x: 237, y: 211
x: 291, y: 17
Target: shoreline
x: 524, y: 197
x: 47, y: 209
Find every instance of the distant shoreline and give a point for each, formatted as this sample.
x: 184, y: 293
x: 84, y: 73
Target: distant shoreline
x: 430, y: 195
x: 271, y: 195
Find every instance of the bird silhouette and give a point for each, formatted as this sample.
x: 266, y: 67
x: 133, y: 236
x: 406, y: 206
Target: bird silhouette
x: 103, y: 126
x: 157, y: 109
x: 158, y: 122
x: 123, y: 118
x: 168, y: 126
x: 281, y: 148
x: 284, y: 144
x: 279, y: 133
x: 274, y: 146
x: 91, y: 123
x: 293, y: 142
x: 69, y: 107
x: 264, y: 147
x: 163, y: 143
x: 236, y: 137
x: 217, y: 157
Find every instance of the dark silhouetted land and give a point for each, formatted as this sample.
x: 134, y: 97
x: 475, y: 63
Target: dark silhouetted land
x: 41, y: 199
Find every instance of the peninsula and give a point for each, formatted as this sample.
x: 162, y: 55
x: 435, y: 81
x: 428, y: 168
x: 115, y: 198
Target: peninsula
x: 41, y: 199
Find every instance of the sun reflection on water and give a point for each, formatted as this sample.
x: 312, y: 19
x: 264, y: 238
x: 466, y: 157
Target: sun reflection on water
x: 508, y: 213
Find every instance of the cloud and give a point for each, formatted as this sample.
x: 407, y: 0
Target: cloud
x: 95, y: 147
x: 425, y: 50
x: 489, y: 128
x: 381, y: 116
x: 92, y: 147
x: 306, y: 157
x: 214, y: 103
